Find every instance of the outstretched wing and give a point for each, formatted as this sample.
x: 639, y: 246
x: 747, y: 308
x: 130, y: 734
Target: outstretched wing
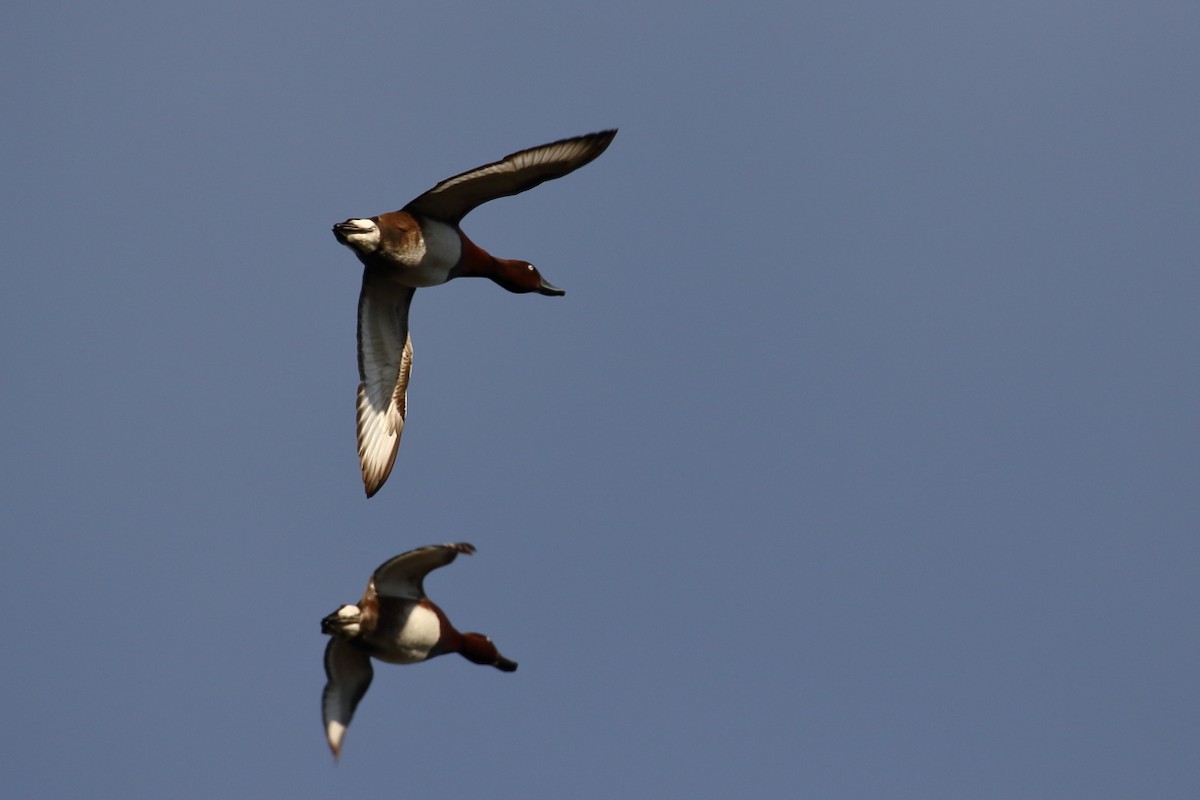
x: 384, y: 365
x: 404, y: 575
x: 349, y: 673
x: 453, y: 198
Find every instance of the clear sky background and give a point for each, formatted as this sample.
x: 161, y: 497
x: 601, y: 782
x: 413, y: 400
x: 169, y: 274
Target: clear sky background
x: 860, y: 460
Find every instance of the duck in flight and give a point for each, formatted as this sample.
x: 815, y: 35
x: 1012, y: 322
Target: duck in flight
x: 423, y: 245
x: 393, y: 622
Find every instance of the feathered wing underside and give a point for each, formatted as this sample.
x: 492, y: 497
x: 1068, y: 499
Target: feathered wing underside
x: 404, y: 575
x: 384, y: 366
x: 349, y: 674
x: 453, y: 198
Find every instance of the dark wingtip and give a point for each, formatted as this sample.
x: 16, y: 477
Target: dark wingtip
x: 603, y: 137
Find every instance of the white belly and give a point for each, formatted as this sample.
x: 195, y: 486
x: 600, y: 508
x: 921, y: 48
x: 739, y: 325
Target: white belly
x: 420, y: 634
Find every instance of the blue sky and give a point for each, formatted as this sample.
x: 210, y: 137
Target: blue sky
x: 859, y: 460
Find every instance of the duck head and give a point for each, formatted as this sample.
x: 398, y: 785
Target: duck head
x: 521, y: 277
x: 479, y: 649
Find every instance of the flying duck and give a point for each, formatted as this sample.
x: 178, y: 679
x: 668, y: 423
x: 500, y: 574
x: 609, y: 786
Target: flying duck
x: 423, y: 245
x: 393, y: 622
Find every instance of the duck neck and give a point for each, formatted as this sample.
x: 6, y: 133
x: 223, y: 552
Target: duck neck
x: 475, y: 262
x: 478, y: 649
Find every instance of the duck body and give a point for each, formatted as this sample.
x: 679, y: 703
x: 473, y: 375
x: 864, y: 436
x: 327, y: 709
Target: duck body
x: 396, y: 623
x: 397, y: 631
x: 423, y: 245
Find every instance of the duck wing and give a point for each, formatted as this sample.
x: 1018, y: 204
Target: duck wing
x: 349, y: 674
x: 454, y: 198
x: 404, y: 575
x: 384, y: 365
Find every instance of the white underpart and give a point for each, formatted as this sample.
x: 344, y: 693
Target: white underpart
x: 421, y: 632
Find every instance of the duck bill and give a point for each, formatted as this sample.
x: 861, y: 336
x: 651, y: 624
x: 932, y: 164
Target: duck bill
x: 549, y: 289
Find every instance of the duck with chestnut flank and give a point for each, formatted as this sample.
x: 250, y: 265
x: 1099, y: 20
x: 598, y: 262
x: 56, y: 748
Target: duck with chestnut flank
x: 393, y: 622
x: 423, y: 245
